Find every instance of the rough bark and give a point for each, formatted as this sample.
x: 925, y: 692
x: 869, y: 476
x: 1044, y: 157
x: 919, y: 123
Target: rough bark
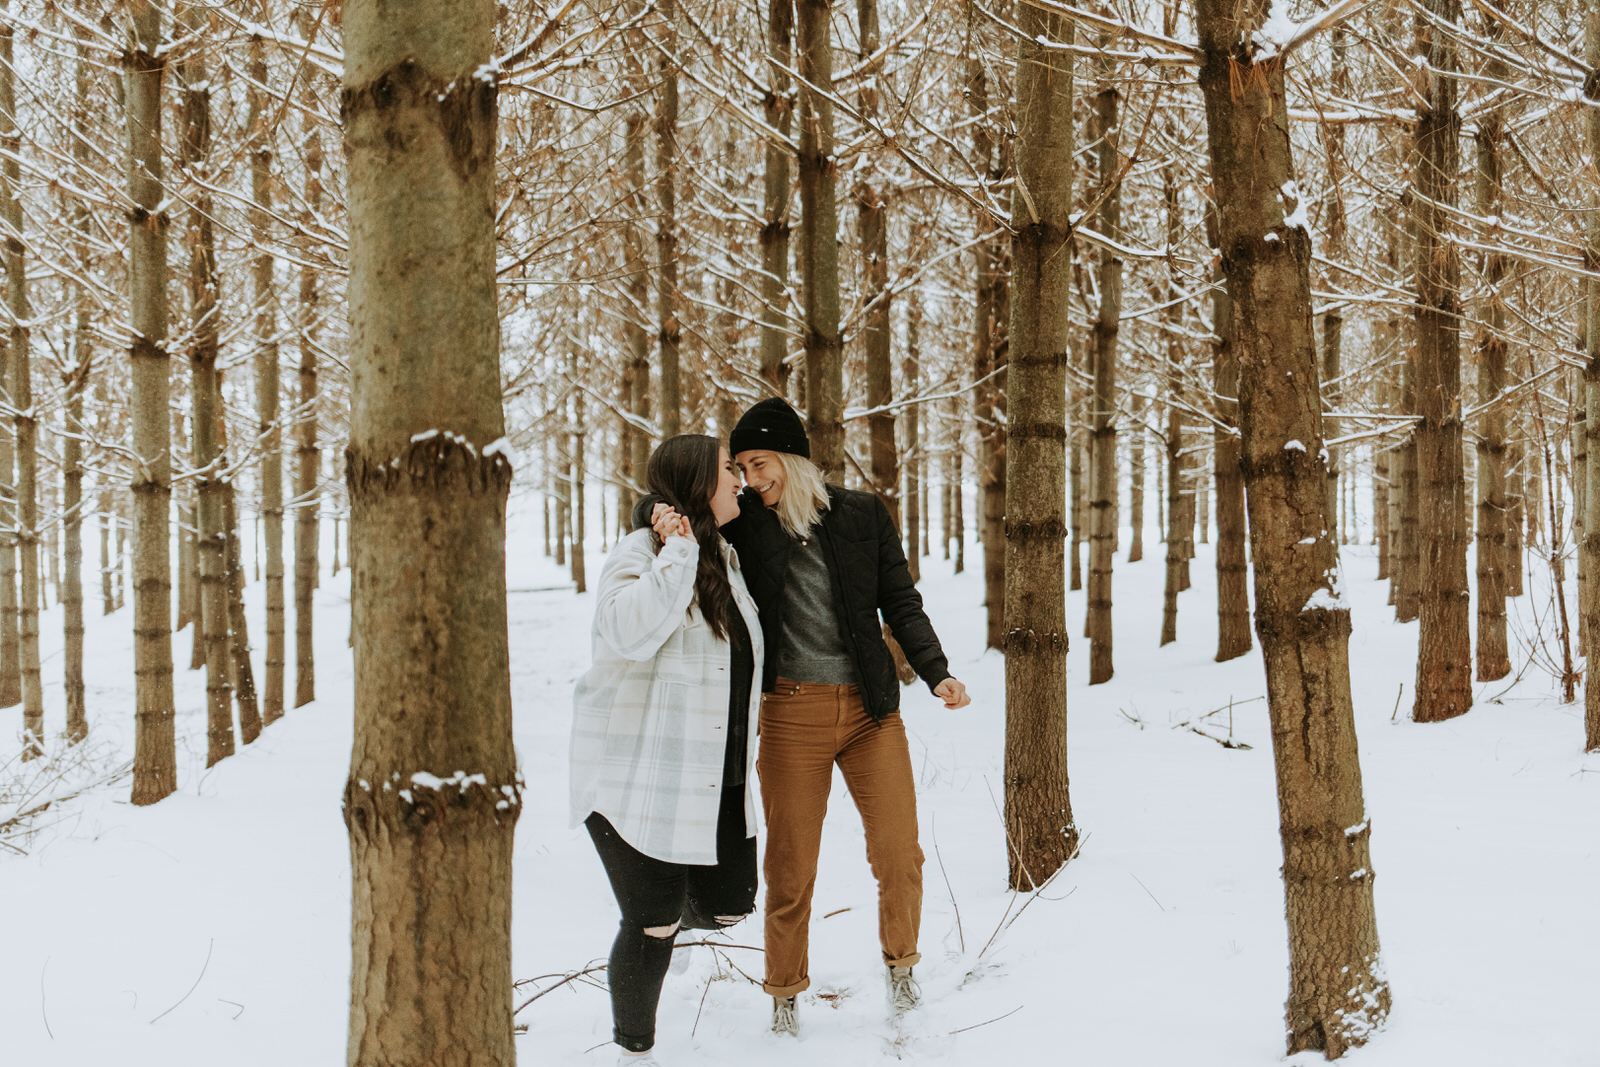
x: 1038, y: 811
x: 910, y: 376
x: 433, y: 795
x: 1591, y: 380
x: 204, y: 333
x: 1233, y: 582
x: 241, y: 673
x: 308, y: 457
x: 636, y: 263
x: 669, y: 301
x: 1337, y: 994
x: 819, y: 240
x: 1176, y: 509
x: 25, y: 422
x: 75, y: 383
x: 1102, y: 416
x: 991, y: 323
x: 1493, y: 654
x: 264, y: 327
x: 779, y: 113
x: 155, y: 752
x: 1443, y: 687
x: 1136, y: 469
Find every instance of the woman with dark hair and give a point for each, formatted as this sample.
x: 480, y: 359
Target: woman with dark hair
x: 825, y: 564
x: 661, y: 731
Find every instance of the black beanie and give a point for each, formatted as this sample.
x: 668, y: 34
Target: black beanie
x: 771, y: 425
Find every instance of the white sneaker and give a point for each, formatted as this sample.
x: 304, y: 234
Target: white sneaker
x: 904, y: 993
x: 785, y: 1019
x: 646, y: 1058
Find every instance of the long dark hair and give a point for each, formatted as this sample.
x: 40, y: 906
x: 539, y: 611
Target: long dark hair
x: 684, y: 471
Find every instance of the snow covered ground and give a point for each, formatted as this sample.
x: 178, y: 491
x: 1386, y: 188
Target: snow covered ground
x: 212, y: 928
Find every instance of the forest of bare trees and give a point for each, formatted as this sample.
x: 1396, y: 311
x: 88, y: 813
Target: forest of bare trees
x: 1307, y: 277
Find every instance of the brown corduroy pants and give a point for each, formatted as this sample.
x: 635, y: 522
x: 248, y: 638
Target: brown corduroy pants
x: 806, y: 728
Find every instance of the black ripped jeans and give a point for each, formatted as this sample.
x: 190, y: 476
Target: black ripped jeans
x: 654, y: 893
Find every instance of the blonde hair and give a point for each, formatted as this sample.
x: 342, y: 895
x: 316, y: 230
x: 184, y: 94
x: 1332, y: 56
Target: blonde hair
x: 805, y: 494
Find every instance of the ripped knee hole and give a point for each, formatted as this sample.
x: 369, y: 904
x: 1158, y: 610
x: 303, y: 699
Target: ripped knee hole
x: 661, y: 933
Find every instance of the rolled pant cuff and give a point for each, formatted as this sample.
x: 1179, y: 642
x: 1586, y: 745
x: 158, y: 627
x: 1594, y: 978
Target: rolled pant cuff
x: 904, y: 961
x: 787, y: 990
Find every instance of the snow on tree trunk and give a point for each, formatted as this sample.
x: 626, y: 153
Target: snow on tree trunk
x: 433, y: 797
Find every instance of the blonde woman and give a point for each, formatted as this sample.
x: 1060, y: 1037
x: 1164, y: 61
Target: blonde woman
x: 824, y: 564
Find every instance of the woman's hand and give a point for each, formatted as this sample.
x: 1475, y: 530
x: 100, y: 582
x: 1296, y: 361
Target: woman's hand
x: 668, y: 523
x: 953, y: 693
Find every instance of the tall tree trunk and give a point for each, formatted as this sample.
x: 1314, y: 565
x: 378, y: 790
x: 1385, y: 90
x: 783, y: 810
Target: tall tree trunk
x: 1407, y: 579
x: 1517, y: 512
x: 669, y: 300
x: 76, y: 382
x: 1493, y: 655
x: 1136, y: 468
x: 155, y: 751
x: 240, y: 670
x: 779, y: 114
x: 872, y: 209
x: 910, y: 377
x: 1233, y: 582
x: 1444, y: 652
x: 1337, y: 993
x: 575, y: 486
x: 1591, y: 378
x: 991, y: 322
x: 1175, y: 503
x: 204, y: 334
x: 21, y: 399
x: 265, y: 328
x: 1102, y: 417
x: 819, y: 241
x: 433, y: 794
x: 636, y: 266
x: 1038, y: 809
x: 307, y: 455
x: 1078, y: 401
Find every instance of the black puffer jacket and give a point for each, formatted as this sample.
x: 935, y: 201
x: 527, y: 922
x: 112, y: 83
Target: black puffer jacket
x: 870, y: 578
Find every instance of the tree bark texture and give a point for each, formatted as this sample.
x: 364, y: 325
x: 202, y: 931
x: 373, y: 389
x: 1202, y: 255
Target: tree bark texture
x: 1102, y: 417
x: 910, y: 375
x: 991, y: 323
x: 819, y: 239
x: 1136, y: 469
x: 308, y: 456
x: 1493, y: 654
x: 76, y: 383
x: 1233, y: 580
x: 636, y: 263
x: 433, y: 795
x: 1444, y: 654
x: 1038, y: 810
x: 669, y: 301
x: 25, y: 422
x: 265, y: 329
x: 204, y: 332
x: 155, y: 752
x: 1591, y: 380
x: 779, y: 113
x: 1337, y: 993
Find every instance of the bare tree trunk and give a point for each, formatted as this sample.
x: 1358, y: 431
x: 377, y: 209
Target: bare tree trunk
x: 265, y: 328
x: 910, y: 377
x: 155, y: 754
x: 779, y: 113
x: 76, y: 382
x: 990, y: 352
x: 204, y: 332
x: 1493, y: 654
x: 1517, y: 512
x: 1136, y: 447
x: 1444, y: 654
x: 872, y: 210
x: 108, y: 602
x: 637, y: 264
x: 1038, y: 809
x: 819, y: 240
x: 1591, y: 378
x: 241, y: 672
x: 1102, y: 418
x: 1078, y: 400
x: 1337, y: 993
x: 1175, y: 503
x: 21, y: 399
x: 669, y: 301
x: 1233, y: 582
x: 575, y: 489
x: 308, y: 456
x: 431, y: 856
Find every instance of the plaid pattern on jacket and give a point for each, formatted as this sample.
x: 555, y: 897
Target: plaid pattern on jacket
x: 650, y: 717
